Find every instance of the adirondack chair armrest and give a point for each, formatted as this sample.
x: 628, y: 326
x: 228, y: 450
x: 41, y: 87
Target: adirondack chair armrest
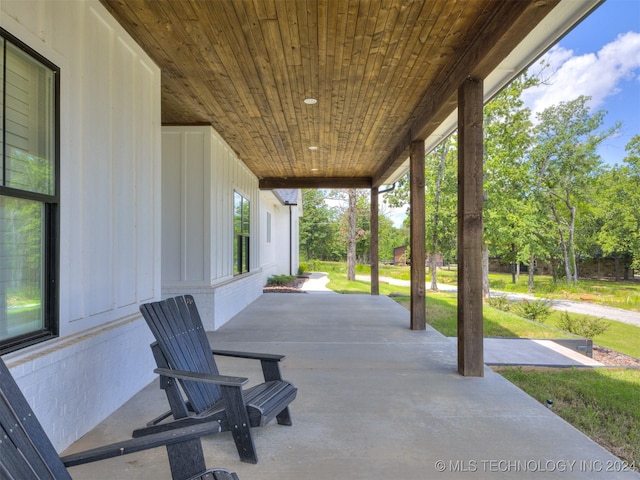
x: 269, y: 357
x: 202, y: 377
x: 268, y: 361
x: 146, y: 442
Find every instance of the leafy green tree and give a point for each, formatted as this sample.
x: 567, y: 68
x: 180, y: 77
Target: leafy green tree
x: 565, y: 163
x: 632, y: 162
x: 319, y: 228
x: 617, y: 211
x: 510, y: 212
x: 352, y: 219
x: 390, y: 237
x: 440, y: 202
x: 352, y: 225
x: 363, y: 226
x: 633, y: 157
x: 441, y: 183
x: 398, y: 197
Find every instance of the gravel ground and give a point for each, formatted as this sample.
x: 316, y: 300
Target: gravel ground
x: 611, y: 358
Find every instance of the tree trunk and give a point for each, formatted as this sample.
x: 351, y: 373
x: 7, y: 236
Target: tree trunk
x: 565, y: 255
x: 532, y: 261
x: 434, y: 241
x: 554, y: 269
x: 572, y: 247
x: 627, y: 266
x: 563, y: 244
x: 433, y: 267
x: 513, y: 264
x: 351, y: 242
x: 486, y: 293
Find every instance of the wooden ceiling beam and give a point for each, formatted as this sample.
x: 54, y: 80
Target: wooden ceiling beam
x: 314, y: 182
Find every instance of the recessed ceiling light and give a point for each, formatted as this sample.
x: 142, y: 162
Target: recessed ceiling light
x: 313, y: 147
x: 310, y: 101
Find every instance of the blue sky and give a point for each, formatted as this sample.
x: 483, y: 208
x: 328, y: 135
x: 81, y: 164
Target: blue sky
x: 600, y: 58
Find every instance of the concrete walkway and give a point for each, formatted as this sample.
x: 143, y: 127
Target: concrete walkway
x: 586, y: 308
x: 376, y: 401
x: 317, y: 283
x: 533, y: 352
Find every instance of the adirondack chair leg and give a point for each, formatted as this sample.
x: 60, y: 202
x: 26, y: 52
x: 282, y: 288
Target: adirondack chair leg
x: 236, y: 412
x: 284, y: 418
x: 186, y: 459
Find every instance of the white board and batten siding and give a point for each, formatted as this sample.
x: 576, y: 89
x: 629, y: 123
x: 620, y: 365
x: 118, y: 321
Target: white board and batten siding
x: 279, y: 235
x: 200, y: 174
x: 110, y: 168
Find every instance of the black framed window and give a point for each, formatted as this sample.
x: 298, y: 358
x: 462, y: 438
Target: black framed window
x: 241, y: 234
x: 29, y: 195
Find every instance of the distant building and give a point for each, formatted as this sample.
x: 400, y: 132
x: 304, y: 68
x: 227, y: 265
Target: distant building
x: 399, y: 255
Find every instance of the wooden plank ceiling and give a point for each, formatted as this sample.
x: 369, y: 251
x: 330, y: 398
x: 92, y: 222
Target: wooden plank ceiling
x: 384, y: 73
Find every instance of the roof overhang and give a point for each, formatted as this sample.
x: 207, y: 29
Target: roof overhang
x: 562, y: 19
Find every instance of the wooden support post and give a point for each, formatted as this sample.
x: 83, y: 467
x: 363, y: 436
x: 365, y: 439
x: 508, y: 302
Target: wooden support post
x: 417, y: 236
x: 470, y: 197
x: 374, y: 243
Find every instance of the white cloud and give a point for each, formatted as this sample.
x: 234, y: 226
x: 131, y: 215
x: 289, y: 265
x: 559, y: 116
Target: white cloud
x: 596, y: 75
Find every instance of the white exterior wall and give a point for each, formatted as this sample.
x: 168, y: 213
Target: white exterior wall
x: 281, y: 255
x: 200, y: 173
x: 109, y: 215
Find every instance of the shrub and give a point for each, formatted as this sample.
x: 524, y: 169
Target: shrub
x: 303, y: 267
x: 584, y: 326
x: 278, y: 280
x: 500, y: 303
x: 537, y: 310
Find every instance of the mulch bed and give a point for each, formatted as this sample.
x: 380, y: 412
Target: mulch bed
x: 611, y: 358
x: 291, y: 287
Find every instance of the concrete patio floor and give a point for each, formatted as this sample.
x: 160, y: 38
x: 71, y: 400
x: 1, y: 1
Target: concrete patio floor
x: 375, y: 401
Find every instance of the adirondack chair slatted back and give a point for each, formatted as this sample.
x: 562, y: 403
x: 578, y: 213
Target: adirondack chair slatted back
x: 178, y: 329
x: 25, y: 449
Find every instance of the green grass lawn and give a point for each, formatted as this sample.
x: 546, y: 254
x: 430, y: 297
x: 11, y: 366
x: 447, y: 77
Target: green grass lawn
x: 619, y: 336
x: 442, y: 315
x: 624, y: 295
x: 604, y: 404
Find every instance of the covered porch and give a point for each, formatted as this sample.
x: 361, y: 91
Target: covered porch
x: 350, y: 95
x: 376, y: 400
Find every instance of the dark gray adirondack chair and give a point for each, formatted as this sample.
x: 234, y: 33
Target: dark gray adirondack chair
x: 27, y: 453
x: 183, y: 353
